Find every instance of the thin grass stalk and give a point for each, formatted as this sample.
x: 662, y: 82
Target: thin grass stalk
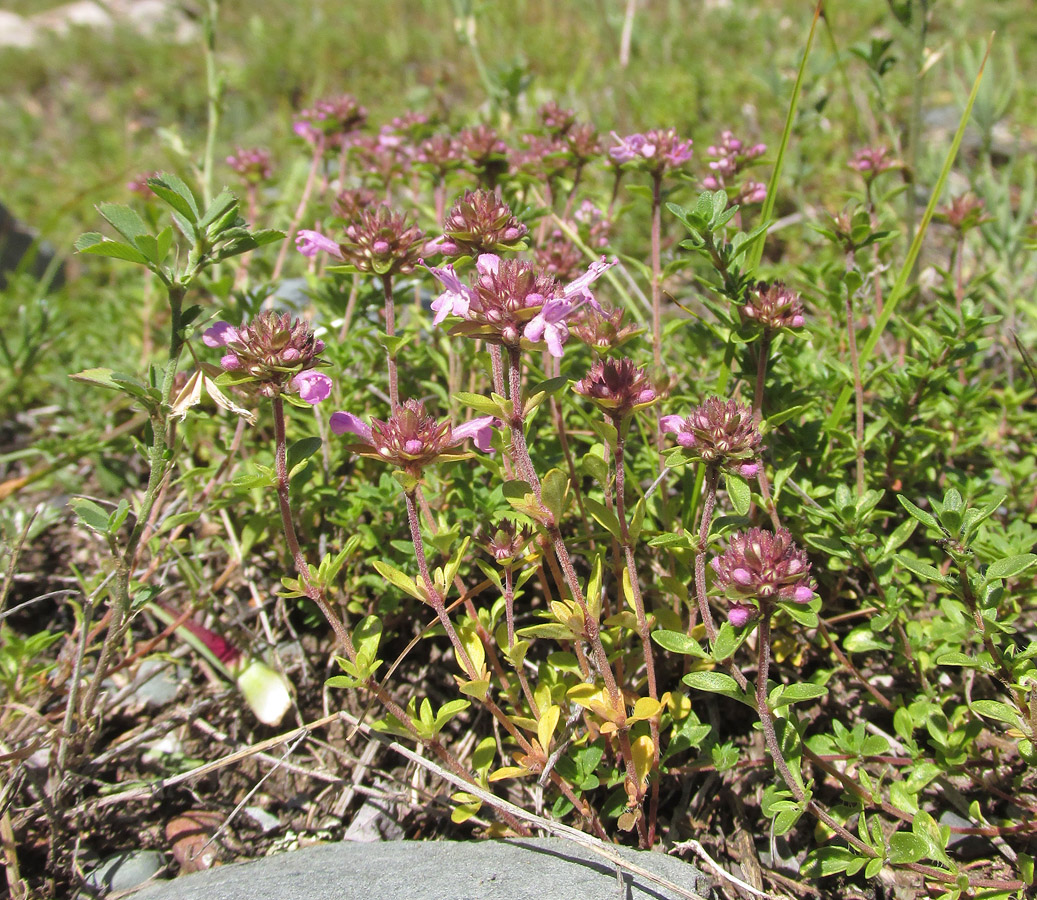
x: 900, y: 286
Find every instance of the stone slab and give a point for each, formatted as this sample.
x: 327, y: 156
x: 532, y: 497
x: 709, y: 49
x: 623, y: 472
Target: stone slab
x: 525, y: 869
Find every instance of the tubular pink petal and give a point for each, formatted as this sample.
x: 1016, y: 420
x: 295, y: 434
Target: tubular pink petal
x: 313, y: 387
x: 480, y: 430
x: 219, y: 335
x: 555, y: 336
x: 310, y: 243
x: 346, y: 422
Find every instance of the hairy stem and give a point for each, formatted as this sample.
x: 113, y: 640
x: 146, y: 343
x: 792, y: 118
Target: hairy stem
x: 390, y: 353
x: 313, y: 592
x: 709, y: 501
x: 770, y: 737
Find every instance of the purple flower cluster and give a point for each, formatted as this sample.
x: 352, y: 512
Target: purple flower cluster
x: 719, y: 433
x: 412, y: 439
x: 762, y: 566
x: 273, y: 352
x: 772, y: 306
x: 480, y: 222
x: 872, y: 161
x: 511, y: 299
x: 658, y: 151
x: 730, y: 157
x: 252, y: 165
x: 331, y: 122
x: 617, y: 387
x: 379, y: 240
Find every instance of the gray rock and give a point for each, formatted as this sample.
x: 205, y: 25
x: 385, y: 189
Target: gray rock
x: 80, y: 14
x: 22, y: 250
x: 15, y: 31
x: 158, y: 681
x: 529, y: 869
x: 123, y: 872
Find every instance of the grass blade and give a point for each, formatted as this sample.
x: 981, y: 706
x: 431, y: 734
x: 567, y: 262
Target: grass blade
x: 899, y: 288
x: 755, y: 254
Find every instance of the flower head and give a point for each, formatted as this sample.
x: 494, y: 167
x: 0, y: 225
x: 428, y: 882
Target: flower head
x: 873, y: 161
x: 508, y: 543
x: 617, y: 386
x: 556, y: 119
x: 602, y: 329
x: 558, y: 256
x: 349, y: 203
x: 963, y: 213
x: 486, y: 153
x: 252, y: 165
x: 658, y: 151
x: 441, y: 153
x: 383, y: 242
x: 272, y: 353
x: 331, y: 121
x: 480, y: 222
x: 384, y: 155
x: 719, y: 433
x: 762, y: 567
x: 412, y: 439
x: 729, y: 157
x: 511, y: 299
x: 772, y: 306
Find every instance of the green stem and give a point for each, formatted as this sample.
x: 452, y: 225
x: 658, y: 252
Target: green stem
x: 771, y: 739
x: 390, y: 352
x: 158, y: 464
x: 313, y: 591
x: 214, y: 95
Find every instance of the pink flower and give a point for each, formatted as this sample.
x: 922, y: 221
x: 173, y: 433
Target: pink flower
x: 549, y: 323
x: 310, y: 243
x: 456, y: 299
x: 412, y: 439
x: 219, y: 335
x: 313, y: 387
x: 658, y: 150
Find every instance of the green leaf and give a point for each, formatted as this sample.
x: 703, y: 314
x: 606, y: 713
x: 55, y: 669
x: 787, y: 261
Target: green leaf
x: 828, y: 861
x: 604, y: 516
x: 90, y: 514
x: 797, y: 693
x: 958, y: 659
x: 862, y: 640
x: 739, y: 492
x: 112, y: 250
x: 678, y: 642
x: 366, y: 637
x: 555, y: 492
x: 712, y: 682
x: 302, y: 450
x: 124, y: 220
x: 907, y: 848
x: 404, y: 582
x: 177, y: 194
x: 1013, y: 565
x: 479, y: 402
x: 925, y: 518
x: 921, y: 569
x: 222, y: 204
x: 994, y: 709
x: 725, y: 643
